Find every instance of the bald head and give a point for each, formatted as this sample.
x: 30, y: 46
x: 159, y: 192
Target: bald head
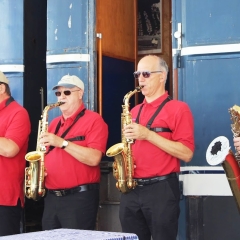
x: 152, y: 75
x: 156, y: 61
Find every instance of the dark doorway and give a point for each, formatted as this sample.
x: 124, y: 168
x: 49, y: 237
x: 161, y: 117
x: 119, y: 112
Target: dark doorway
x: 34, y: 90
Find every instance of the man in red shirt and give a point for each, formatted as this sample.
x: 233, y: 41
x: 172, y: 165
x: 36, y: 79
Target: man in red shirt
x: 163, y: 133
x: 76, y: 141
x: 14, y: 134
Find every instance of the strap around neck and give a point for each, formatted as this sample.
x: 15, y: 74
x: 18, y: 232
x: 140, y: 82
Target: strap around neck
x: 155, y: 114
x: 67, y: 130
x: 11, y: 99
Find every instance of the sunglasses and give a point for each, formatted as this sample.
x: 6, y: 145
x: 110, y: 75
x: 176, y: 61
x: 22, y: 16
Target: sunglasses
x: 146, y: 74
x: 66, y: 92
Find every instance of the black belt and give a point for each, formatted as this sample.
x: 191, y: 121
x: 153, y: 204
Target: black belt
x: 81, y: 188
x: 147, y: 181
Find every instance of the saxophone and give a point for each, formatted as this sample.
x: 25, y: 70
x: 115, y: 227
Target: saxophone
x: 34, y: 174
x: 219, y: 152
x: 123, y: 165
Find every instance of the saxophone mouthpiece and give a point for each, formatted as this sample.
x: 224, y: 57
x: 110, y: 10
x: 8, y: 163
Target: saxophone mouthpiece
x: 139, y: 88
x: 61, y: 103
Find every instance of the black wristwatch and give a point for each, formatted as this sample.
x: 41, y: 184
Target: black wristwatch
x: 64, y: 144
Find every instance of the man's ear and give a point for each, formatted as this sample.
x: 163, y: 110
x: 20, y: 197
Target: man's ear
x: 81, y: 93
x: 163, y: 76
x: 2, y: 88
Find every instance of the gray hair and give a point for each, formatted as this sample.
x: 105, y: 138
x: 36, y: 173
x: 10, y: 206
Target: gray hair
x: 161, y: 62
x: 163, y: 65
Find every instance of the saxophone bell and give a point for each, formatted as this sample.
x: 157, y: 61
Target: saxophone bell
x: 120, y: 168
x: 123, y: 165
x: 33, y: 156
x: 32, y: 176
x: 34, y: 173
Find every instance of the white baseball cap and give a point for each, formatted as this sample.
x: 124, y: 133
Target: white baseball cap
x: 70, y: 81
x: 3, y: 78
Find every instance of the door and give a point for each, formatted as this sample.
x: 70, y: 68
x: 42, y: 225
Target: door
x: 11, y: 47
x: 71, y: 46
x: 206, y: 60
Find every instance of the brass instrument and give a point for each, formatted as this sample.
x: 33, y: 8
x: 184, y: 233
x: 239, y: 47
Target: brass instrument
x: 34, y: 174
x: 219, y: 152
x: 123, y: 165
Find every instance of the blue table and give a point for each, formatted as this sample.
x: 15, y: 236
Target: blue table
x: 72, y: 234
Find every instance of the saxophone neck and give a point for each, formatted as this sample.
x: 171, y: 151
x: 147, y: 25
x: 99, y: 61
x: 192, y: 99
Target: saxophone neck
x: 49, y: 107
x: 129, y: 94
x: 52, y: 105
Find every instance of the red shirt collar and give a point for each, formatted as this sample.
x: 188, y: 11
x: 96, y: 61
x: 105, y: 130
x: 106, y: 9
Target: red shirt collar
x: 74, y: 115
x: 157, y: 101
x: 3, y: 104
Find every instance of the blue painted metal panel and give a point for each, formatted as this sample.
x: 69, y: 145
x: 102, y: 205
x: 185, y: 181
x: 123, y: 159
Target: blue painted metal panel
x: 210, y: 22
x: 176, y: 18
x: 11, y: 47
x: 208, y: 83
x: 11, y: 29
x: 210, y: 92
x: 71, y: 30
x: 199, y: 81
x: 67, y: 26
x: 16, y: 86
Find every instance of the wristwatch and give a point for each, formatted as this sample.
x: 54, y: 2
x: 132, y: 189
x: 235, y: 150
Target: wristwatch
x: 64, y: 144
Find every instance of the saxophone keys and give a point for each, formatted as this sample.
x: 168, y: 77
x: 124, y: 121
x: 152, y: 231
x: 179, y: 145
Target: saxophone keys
x: 129, y: 184
x: 41, y: 192
x: 114, y: 165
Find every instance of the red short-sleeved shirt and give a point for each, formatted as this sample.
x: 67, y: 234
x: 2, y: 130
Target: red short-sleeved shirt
x: 15, y: 125
x: 63, y: 170
x: 176, y: 115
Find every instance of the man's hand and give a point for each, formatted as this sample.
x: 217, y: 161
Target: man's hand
x: 50, y: 139
x: 136, y: 131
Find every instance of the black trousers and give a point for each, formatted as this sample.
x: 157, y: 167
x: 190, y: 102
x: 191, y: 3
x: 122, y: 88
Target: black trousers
x: 152, y: 210
x: 75, y: 211
x: 10, y: 217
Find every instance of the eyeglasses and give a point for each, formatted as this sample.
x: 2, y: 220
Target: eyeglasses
x: 66, y: 92
x: 146, y: 74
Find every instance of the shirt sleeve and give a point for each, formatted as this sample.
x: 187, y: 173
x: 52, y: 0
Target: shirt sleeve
x: 19, y: 128
x: 184, y: 127
x: 98, y: 135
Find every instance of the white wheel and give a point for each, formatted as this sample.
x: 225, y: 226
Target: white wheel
x: 217, y: 150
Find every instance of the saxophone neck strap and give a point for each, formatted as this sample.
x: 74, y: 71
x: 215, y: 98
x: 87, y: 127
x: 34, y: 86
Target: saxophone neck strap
x: 78, y: 138
x: 157, y: 112
x: 8, y: 101
x: 139, y: 112
x: 11, y: 99
x: 158, y: 129
x: 67, y: 130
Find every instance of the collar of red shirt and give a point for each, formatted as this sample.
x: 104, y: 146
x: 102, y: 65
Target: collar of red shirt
x: 3, y: 104
x: 74, y: 115
x: 158, y: 101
